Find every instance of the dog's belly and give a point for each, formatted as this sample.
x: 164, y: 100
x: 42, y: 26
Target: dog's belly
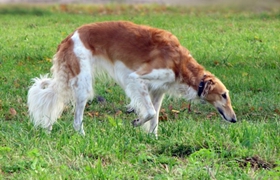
x: 117, y: 71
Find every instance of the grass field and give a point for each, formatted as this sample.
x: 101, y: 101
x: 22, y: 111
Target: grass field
x: 241, y: 48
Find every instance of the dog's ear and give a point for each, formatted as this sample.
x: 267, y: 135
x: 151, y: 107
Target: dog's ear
x: 208, y: 86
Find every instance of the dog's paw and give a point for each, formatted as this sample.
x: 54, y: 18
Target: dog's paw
x: 136, y: 123
x: 79, y: 128
x: 82, y: 132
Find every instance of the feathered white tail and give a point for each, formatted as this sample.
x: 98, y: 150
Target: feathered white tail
x: 45, y: 101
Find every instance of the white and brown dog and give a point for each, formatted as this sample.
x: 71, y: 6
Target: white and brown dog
x: 146, y: 62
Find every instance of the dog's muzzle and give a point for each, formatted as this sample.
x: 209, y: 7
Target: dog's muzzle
x: 232, y: 120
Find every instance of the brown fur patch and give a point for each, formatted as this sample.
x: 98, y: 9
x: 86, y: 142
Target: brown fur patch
x: 135, y: 45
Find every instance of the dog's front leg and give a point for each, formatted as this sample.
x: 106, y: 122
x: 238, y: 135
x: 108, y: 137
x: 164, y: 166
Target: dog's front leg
x: 137, y: 91
x: 151, y: 126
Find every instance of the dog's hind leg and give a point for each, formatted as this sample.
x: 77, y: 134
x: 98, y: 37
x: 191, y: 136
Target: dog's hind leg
x: 83, y: 91
x: 151, y: 126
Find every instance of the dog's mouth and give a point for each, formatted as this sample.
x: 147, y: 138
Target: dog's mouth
x: 232, y: 120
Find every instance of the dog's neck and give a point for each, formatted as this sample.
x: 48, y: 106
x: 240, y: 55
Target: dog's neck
x: 191, y: 73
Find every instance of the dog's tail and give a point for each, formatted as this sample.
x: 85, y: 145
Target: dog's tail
x: 45, y: 101
x: 47, y: 97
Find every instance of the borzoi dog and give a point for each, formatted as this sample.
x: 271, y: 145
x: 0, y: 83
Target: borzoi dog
x: 146, y: 62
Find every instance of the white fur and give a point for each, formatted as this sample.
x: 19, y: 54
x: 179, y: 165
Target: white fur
x: 47, y: 97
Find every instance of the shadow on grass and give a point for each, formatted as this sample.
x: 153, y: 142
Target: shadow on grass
x: 177, y: 150
x: 183, y: 151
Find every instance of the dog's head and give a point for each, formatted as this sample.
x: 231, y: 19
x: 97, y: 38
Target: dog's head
x: 212, y: 90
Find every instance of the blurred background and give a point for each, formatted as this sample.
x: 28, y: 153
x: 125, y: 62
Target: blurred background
x: 166, y: 2
x: 255, y: 5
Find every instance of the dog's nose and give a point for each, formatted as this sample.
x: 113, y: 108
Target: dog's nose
x: 233, y: 120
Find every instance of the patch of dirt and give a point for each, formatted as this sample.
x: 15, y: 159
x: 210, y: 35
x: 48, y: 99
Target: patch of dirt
x: 256, y: 162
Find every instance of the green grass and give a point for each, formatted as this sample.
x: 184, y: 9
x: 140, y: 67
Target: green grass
x: 241, y: 48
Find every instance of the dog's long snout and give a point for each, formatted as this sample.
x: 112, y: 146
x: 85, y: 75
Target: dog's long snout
x: 231, y: 119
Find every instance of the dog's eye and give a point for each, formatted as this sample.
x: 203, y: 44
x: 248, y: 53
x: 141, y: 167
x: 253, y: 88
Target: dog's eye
x: 224, y: 95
